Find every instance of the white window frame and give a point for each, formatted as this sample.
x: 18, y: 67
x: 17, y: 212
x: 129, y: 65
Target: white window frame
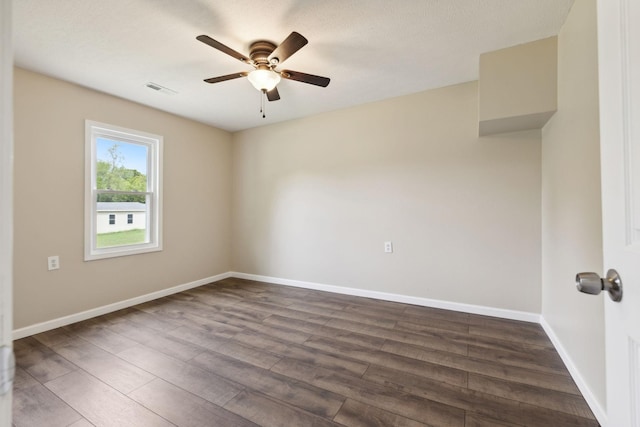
x: 154, y: 144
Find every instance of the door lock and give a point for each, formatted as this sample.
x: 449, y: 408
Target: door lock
x: 593, y: 284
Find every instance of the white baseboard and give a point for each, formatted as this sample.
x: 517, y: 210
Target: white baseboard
x: 593, y: 403
x: 99, y: 311
x: 425, y: 302
x: 598, y: 411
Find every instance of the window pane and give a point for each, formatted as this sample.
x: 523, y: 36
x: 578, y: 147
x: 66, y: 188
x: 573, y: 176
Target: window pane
x: 121, y: 165
x: 121, y: 223
x: 123, y: 197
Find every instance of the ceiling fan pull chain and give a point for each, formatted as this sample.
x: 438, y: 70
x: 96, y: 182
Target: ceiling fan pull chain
x: 263, y: 104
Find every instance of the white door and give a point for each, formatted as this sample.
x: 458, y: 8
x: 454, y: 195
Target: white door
x: 619, y: 68
x: 6, y: 204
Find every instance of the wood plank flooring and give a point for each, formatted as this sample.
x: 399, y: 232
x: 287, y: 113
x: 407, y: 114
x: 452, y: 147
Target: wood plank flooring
x: 244, y: 353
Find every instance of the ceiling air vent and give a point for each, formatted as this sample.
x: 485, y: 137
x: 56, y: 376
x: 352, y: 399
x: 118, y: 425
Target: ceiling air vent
x: 159, y: 88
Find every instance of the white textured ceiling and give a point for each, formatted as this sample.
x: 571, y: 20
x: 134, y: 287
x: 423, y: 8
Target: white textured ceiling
x: 371, y: 49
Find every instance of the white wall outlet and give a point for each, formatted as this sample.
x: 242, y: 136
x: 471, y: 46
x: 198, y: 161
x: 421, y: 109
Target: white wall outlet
x: 53, y: 262
x: 388, y: 247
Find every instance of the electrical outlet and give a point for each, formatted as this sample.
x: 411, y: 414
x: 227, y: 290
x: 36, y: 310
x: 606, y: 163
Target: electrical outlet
x: 53, y: 262
x: 388, y: 247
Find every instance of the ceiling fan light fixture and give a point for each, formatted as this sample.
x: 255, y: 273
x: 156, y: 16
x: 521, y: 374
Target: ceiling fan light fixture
x: 264, y: 79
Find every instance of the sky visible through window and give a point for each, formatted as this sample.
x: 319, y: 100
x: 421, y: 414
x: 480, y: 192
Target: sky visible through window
x: 134, y: 156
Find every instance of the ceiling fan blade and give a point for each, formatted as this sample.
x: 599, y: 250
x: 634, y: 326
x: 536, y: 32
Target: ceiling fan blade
x: 305, y: 78
x: 222, y: 48
x: 227, y: 77
x: 273, y: 94
x: 288, y: 47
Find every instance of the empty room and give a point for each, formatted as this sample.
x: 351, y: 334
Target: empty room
x: 336, y: 213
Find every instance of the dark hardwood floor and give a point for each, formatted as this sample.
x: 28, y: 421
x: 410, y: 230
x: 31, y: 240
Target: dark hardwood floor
x: 243, y: 353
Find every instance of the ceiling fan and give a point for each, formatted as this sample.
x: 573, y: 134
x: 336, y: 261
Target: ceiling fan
x: 264, y: 57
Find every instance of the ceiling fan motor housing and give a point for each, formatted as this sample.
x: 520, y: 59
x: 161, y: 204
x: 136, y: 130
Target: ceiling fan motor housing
x: 260, y: 51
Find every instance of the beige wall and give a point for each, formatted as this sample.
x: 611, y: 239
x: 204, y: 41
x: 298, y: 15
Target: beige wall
x: 49, y: 202
x: 571, y: 218
x: 314, y: 200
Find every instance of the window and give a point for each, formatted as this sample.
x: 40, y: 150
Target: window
x: 123, y: 175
